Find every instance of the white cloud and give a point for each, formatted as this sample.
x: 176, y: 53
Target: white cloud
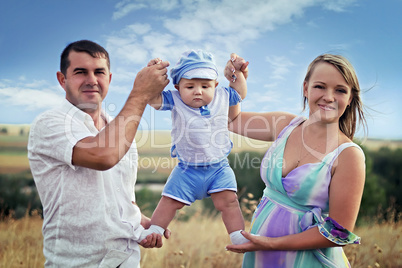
x: 127, y: 50
x: 280, y: 65
x: 137, y: 29
x: 217, y: 26
x: 338, y: 5
x: 165, y: 5
x: 209, y: 19
x: 137, y: 44
x: 123, y: 75
x: 260, y: 101
x: 33, y: 96
x: 37, y: 84
x: 125, y: 7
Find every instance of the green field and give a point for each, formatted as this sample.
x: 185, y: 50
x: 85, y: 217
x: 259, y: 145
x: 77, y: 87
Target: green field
x: 153, y: 149
x: 13, y: 154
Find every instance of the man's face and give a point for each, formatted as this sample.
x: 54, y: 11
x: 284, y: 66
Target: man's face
x: 86, y: 81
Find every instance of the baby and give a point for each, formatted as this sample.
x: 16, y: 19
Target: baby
x: 200, y: 140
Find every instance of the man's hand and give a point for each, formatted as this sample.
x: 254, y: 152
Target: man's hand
x: 151, y: 80
x: 154, y: 61
x: 152, y: 241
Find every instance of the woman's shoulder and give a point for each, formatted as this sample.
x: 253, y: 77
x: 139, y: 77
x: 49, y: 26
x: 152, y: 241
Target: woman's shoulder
x: 349, y: 156
x: 351, y: 151
x: 347, y: 148
x: 347, y: 145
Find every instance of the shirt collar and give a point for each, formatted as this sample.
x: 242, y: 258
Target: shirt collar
x: 72, y: 110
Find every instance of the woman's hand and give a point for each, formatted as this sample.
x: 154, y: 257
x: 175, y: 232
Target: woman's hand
x: 256, y: 243
x: 236, y: 63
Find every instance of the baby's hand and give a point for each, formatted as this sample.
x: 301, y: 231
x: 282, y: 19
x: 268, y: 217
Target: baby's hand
x: 154, y: 61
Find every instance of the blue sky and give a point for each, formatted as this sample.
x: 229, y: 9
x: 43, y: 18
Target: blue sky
x: 279, y: 38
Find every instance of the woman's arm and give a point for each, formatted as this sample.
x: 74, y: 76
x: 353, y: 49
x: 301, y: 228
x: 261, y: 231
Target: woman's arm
x: 259, y: 126
x: 346, y: 188
x: 306, y: 240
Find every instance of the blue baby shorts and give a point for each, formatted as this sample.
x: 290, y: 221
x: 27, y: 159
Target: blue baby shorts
x: 188, y: 183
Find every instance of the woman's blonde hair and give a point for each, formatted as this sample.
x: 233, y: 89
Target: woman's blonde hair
x: 354, y: 111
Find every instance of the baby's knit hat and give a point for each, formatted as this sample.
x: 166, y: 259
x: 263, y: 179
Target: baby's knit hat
x: 194, y: 64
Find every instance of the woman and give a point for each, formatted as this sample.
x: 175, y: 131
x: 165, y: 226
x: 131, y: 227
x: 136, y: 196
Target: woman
x: 314, y: 173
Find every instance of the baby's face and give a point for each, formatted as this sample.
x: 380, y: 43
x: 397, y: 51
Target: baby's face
x: 197, y: 92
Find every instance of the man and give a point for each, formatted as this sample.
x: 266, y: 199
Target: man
x: 84, y: 164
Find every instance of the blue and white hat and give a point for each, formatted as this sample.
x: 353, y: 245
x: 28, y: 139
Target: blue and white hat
x: 194, y: 64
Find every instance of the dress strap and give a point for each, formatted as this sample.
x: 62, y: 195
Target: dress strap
x: 292, y: 125
x: 331, y: 157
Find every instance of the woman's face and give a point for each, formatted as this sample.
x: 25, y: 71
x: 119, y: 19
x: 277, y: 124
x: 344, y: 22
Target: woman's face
x: 327, y: 92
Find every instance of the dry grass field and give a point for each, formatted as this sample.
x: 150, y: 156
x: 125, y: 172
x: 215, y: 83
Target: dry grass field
x: 198, y: 243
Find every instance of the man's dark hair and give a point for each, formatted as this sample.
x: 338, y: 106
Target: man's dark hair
x: 86, y: 46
